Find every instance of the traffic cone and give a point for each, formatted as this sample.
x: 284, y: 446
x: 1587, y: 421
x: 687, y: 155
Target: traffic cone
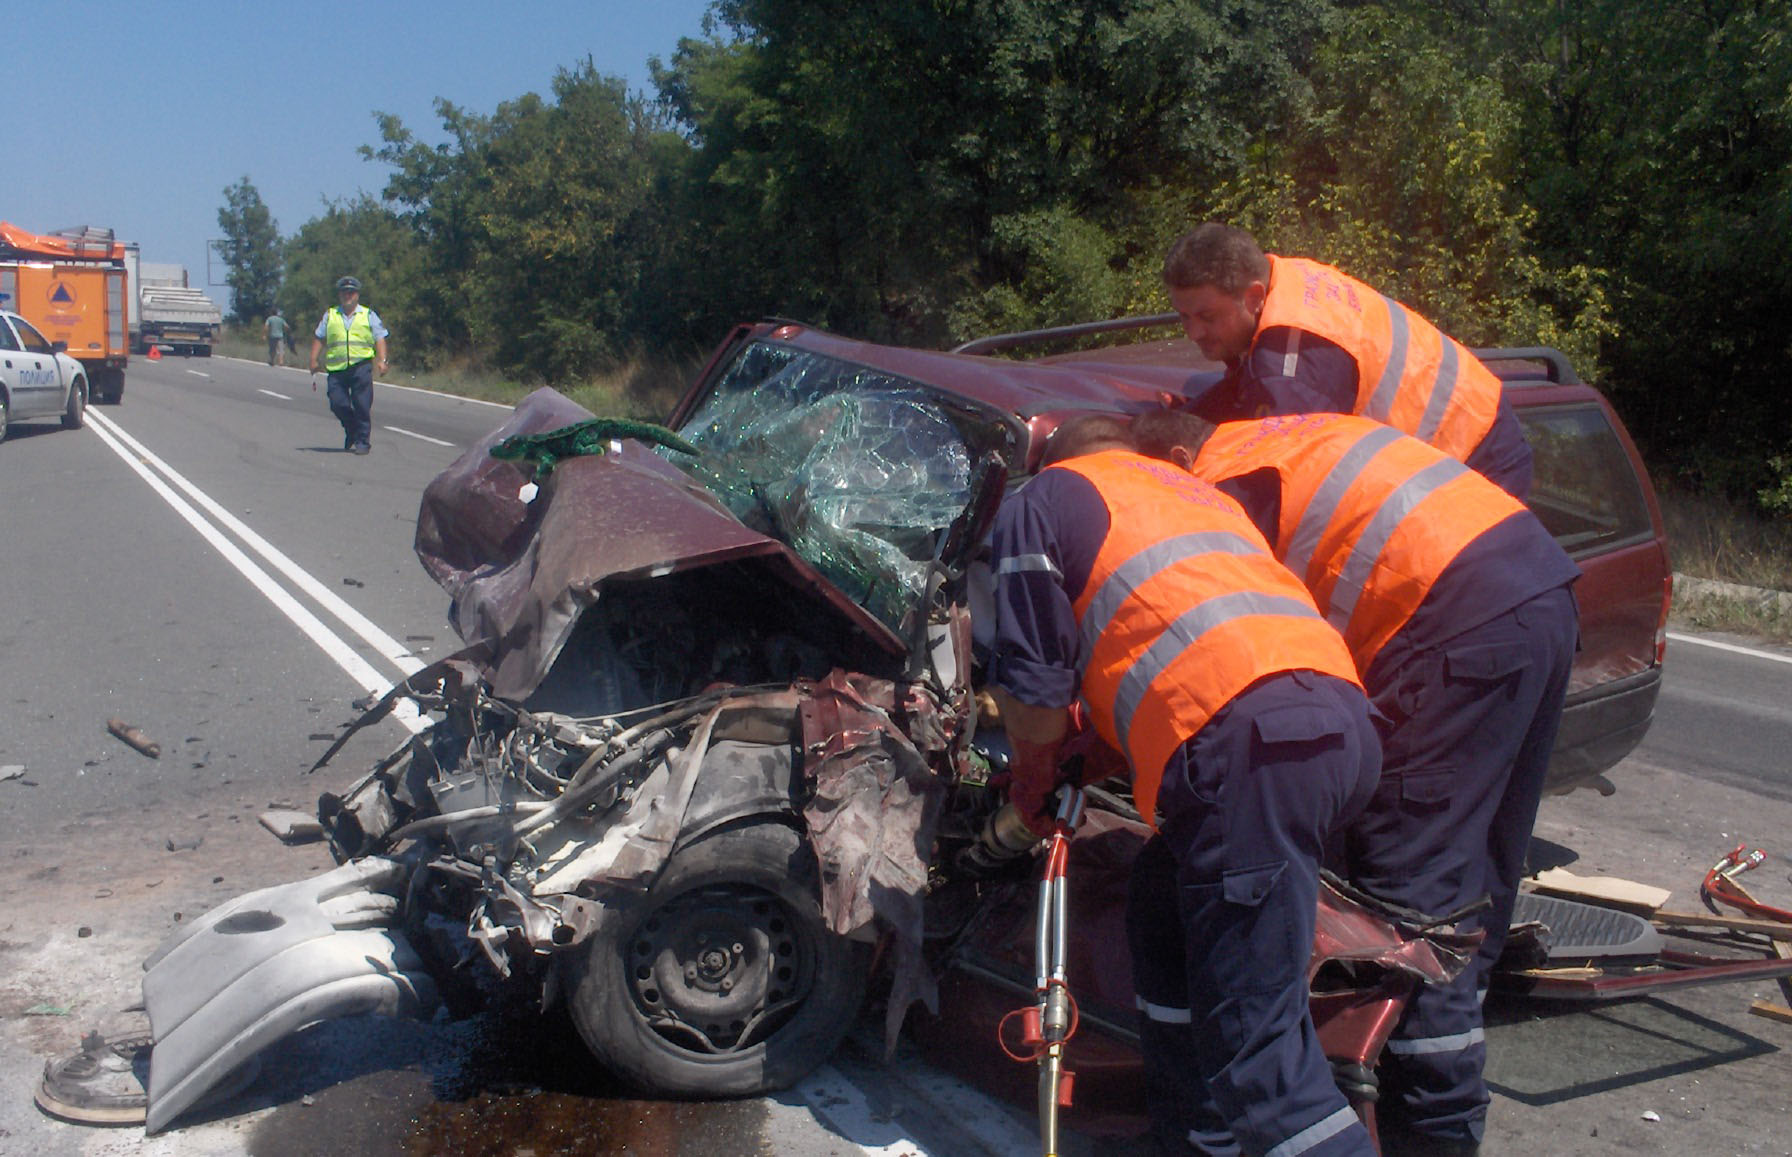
x: 155, y: 353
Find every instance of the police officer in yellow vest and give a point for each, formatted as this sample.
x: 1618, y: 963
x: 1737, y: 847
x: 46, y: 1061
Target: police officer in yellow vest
x: 1299, y: 337
x: 351, y: 337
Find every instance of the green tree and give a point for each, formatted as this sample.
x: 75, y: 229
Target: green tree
x: 1686, y: 196
x: 251, y: 252
x: 867, y: 167
x: 539, y: 222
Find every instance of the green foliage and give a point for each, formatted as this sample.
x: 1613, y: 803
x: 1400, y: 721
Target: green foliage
x: 874, y: 167
x: 538, y: 225
x: 1609, y: 177
x: 251, y: 252
x: 1778, y: 497
x: 1661, y: 148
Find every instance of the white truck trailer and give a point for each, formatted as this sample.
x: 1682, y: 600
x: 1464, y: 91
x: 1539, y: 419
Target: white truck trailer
x: 169, y: 313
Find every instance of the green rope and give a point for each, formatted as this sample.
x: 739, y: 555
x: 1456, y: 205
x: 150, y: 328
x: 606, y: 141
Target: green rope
x: 545, y: 451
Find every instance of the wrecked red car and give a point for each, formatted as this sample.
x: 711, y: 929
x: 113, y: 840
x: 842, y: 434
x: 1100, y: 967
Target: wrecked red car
x: 713, y: 734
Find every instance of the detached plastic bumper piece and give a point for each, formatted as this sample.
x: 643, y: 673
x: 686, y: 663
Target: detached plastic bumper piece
x: 269, y: 963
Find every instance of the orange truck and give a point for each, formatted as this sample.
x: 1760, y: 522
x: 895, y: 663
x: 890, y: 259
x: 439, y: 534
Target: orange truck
x: 71, y: 286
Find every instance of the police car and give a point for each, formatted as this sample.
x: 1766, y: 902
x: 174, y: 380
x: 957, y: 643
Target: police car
x: 37, y: 379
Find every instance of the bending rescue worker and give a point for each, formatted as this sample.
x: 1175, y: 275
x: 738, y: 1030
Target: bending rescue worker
x: 1456, y: 606
x: 1299, y: 337
x: 1147, y: 592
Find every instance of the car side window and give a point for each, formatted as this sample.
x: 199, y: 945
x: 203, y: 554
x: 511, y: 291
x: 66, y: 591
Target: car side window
x: 7, y: 341
x: 1584, y: 489
x: 29, y: 338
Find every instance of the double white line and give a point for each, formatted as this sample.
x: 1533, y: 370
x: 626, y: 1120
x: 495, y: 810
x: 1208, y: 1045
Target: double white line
x: 165, y: 480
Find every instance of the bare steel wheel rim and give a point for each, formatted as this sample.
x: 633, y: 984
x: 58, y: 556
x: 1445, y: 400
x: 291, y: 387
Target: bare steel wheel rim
x: 719, y: 969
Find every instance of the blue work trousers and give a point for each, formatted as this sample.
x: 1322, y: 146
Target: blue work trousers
x: 351, y: 400
x: 1220, y: 917
x: 1470, y: 724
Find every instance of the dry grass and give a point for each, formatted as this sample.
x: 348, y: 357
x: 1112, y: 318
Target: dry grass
x: 1713, y: 539
x: 647, y: 386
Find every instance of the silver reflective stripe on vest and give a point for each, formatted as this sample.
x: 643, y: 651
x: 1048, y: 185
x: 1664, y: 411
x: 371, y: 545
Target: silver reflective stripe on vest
x: 1449, y: 370
x: 1425, y: 1046
x: 1324, y: 504
x: 1312, y: 1135
x: 1184, y: 633
x: 1028, y: 563
x: 1381, y: 402
x: 1138, y: 570
x: 1374, y: 538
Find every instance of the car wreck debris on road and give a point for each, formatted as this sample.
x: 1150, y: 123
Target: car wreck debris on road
x: 134, y: 737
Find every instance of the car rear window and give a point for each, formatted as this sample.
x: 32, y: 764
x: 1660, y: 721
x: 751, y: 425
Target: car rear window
x: 1584, y: 488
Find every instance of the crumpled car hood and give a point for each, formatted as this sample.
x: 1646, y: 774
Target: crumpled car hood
x: 520, y: 572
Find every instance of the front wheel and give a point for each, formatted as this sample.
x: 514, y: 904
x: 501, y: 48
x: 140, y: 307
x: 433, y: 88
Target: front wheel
x: 76, y: 413
x: 723, y: 981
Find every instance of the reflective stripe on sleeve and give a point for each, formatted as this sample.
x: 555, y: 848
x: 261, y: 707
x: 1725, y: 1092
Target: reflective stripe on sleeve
x: 1374, y: 539
x: 1427, y: 1045
x: 1291, y: 359
x: 1163, y: 1013
x: 1186, y: 632
x: 1029, y: 564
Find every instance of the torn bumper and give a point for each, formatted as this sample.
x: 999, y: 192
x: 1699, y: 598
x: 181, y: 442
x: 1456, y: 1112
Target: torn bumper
x: 269, y: 963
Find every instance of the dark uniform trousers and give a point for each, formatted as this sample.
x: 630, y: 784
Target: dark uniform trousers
x: 351, y: 400
x: 1470, y: 725
x: 1220, y: 917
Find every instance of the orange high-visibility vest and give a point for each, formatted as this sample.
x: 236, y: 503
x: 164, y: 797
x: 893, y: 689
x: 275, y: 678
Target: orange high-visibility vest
x: 1410, y: 374
x: 1184, y: 609
x: 1370, y: 517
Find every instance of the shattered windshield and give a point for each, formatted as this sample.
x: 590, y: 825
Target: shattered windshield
x: 857, y: 470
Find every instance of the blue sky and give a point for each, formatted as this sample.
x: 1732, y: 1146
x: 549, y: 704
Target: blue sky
x: 136, y: 115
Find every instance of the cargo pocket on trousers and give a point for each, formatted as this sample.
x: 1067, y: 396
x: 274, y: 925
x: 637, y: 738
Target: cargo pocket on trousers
x: 1425, y: 789
x: 1298, y: 723
x: 1490, y: 663
x: 1249, y: 935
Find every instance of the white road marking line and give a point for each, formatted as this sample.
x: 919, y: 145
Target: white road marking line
x: 391, y: 649
x: 272, y: 394
x: 419, y: 437
x: 443, y: 394
x: 197, y: 374
x: 1714, y: 644
x: 841, y: 1104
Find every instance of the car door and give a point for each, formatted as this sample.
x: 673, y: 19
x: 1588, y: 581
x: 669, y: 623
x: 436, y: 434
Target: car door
x: 11, y: 357
x: 38, y: 388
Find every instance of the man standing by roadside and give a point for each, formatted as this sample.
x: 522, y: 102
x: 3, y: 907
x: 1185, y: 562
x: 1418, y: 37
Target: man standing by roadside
x: 1455, y: 603
x: 275, y: 330
x: 1299, y: 337
x: 351, y: 337
x: 1148, y: 594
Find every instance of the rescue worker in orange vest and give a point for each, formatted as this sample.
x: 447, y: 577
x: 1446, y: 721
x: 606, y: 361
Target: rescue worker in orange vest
x: 1456, y: 605
x: 1149, y: 594
x: 1299, y: 337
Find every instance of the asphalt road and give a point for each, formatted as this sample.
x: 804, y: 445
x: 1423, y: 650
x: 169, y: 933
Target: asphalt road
x: 240, y: 647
